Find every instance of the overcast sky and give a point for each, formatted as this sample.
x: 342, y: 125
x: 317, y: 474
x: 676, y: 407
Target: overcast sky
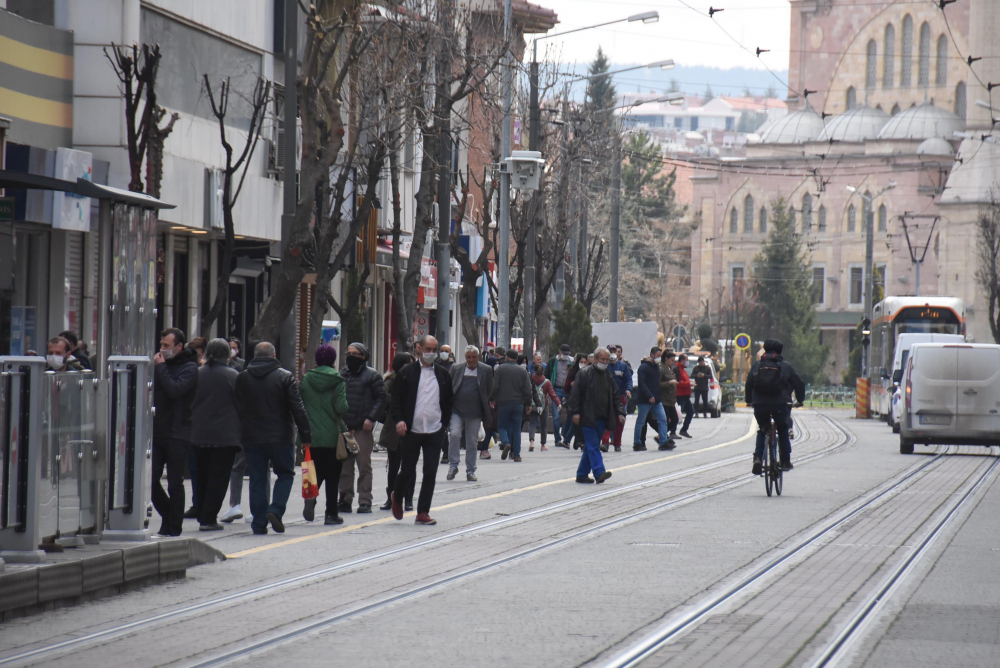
x: 689, y: 37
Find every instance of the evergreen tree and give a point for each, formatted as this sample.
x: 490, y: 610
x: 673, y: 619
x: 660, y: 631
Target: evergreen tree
x: 573, y: 327
x: 708, y: 95
x: 601, y: 92
x: 675, y: 86
x: 771, y: 92
x: 783, y: 295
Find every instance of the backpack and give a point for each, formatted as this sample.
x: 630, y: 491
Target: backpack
x: 539, y: 394
x: 769, y: 380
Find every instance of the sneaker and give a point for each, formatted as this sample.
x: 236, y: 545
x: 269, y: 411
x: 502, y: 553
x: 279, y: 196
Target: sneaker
x: 560, y: 444
x: 515, y: 458
x: 506, y: 451
x: 234, y: 513
x: 604, y: 447
x: 604, y: 476
x: 309, y: 510
x: 215, y: 526
x: 452, y: 473
x: 248, y: 519
x: 408, y: 506
x: 333, y: 518
x: 397, y: 508
x: 276, y: 523
x: 641, y: 447
x: 685, y: 434
x: 344, y: 507
x: 364, y: 508
x: 424, y: 518
x: 618, y: 448
x: 485, y: 454
x: 444, y: 458
x: 673, y: 436
x: 786, y: 465
x: 757, y: 465
x: 387, y: 505
x: 191, y: 513
x: 576, y: 446
x: 471, y: 477
x: 584, y: 479
x: 262, y: 532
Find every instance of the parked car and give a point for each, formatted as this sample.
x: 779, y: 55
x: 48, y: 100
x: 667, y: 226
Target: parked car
x: 950, y: 395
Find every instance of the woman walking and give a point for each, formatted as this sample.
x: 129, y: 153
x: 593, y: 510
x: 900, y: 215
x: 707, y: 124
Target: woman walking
x: 215, y: 432
x: 389, y: 438
x: 325, y: 397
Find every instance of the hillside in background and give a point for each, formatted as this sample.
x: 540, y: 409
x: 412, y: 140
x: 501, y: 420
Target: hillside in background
x: 691, y: 79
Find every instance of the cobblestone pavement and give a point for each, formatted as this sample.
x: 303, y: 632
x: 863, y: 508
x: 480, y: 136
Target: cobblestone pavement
x: 547, y: 572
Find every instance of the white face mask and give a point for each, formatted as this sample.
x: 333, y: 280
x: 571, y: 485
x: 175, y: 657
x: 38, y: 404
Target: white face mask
x: 443, y: 355
x: 614, y: 358
x: 55, y: 361
x: 168, y: 353
x: 601, y: 365
x: 564, y: 358
x: 232, y: 353
x: 429, y: 357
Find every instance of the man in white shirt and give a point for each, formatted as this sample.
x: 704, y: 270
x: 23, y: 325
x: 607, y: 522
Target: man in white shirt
x: 421, y: 397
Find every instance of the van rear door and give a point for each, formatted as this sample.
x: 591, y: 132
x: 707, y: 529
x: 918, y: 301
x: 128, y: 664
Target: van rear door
x: 978, y: 388
x: 934, y: 388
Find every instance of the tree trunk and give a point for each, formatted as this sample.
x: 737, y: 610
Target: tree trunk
x: 404, y: 320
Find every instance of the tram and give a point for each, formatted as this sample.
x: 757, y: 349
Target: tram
x: 905, y: 315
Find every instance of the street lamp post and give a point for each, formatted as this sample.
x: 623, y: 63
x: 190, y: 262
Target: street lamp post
x: 503, y: 239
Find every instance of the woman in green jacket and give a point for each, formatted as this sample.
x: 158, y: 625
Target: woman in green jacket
x: 325, y: 397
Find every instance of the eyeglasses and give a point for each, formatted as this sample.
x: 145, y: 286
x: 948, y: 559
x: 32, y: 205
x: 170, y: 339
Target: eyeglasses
x: 350, y: 354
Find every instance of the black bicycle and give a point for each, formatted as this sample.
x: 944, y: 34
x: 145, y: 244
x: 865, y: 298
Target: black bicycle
x: 771, y: 465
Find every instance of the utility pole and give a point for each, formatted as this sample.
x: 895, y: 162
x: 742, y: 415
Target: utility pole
x: 503, y: 242
x: 869, y: 270
x: 529, y: 254
x: 616, y: 205
x: 561, y: 271
x: 286, y: 343
x: 444, y: 183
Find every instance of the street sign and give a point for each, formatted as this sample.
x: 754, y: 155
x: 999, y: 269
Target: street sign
x: 742, y: 341
x: 6, y: 209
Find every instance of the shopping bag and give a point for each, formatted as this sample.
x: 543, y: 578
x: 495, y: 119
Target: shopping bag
x: 310, y: 489
x: 481, y: 436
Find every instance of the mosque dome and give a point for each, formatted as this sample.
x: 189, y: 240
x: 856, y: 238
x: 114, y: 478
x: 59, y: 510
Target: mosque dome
x: 922, y: 122
x: 936, y: 146
x: 797, y: 127
x: 856, y: 125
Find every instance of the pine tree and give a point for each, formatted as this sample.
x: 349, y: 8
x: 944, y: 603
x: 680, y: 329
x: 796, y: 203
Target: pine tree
x: 675, y: 86
x: 708, y: 95
x: 783, y: 295
x: 573, y: 327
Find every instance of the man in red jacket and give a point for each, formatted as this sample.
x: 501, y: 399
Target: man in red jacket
x: 684, y: 386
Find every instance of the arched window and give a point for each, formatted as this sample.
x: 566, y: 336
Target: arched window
x: 748, y: 214
x: 866, y: 210
x: 924, y: 64
x: 906, y: 54
x: 807, y: 213
x: 960, y: 108
x: 883, y: 219
x: 852, y: 218
x: 942, y: 61
x: 733, y: 221
x: 763, y: 220
x: 852, y: 99
x: 822, y: 218
x: 889, y: 58
x: 871, y: 70
x: 895, y: 109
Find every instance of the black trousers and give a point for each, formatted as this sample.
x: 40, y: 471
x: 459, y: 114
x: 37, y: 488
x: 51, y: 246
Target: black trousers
x: 172, y: 454
x: 328, y: 469
x: 410, y: 447
x: 703, y: 395
x: 215, y: 464
x: 672, y: 421
x: 394, y: 464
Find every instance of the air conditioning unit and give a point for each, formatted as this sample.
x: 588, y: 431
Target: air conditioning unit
x: 280, y: 146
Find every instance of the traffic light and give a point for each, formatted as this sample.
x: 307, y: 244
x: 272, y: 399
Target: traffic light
x: 866, y: 331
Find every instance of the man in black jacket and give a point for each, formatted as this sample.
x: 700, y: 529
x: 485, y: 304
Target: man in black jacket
x: 366, y: 403
x: 594, y: 403
x: 421, y: 398
x: 175, y: 382
x: 769, y: 390
x: 268, y: 400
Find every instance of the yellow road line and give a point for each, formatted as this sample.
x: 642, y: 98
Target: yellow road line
x: 386, y: 520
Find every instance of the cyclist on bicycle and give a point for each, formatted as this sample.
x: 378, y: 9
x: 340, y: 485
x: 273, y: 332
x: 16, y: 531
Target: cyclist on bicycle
x: 769, y: 390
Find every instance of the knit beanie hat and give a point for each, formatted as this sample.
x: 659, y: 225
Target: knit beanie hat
x: 326, y: 356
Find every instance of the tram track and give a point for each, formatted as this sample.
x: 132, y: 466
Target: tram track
x: 215, y: 604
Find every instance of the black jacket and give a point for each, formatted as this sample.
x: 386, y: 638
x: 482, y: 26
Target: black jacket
x: 701, y: 383
x: 269, y: 403
x: 404, y: 393
x: 365, y: 396
x: 649, y: 381
x: 175, y: 383
x: 581, y: 397
x: 216, y: 419
x: 82, y: 358
x: 791, y: 382
x: 237, y: 363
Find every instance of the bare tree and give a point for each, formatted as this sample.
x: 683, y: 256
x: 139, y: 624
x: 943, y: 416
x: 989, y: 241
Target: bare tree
x: 988, y: 248
x: 154, y: 158
x: 236, y: 166
x: 136, y: 68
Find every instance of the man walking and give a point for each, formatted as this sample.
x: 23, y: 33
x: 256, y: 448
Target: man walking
x: 702, y: 375
x: 593, y: 404
x: 558, y: 369
x: 649, y: 400
x: 622, y: 373
x: 684, y: 386
x: 175, y: 383
x: 269, y: 404
x: 471, y: 386
x: 421, y: 398
x: 365, y: 401
x: 512, y: 394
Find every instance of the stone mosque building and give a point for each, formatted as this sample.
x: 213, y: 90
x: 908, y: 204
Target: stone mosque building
x: 879, y: 94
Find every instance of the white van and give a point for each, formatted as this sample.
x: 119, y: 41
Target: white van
x: 902, y: 352
x: 951, y: 395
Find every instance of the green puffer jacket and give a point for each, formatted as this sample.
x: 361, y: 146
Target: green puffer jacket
x: 325, y: 397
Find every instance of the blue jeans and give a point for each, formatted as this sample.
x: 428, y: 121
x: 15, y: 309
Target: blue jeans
x: 688, y: 409
x: 282, y: 459
x: 661, y: 422
x: 591, y: 459
x: 509, y: 416
x: 561, y: 431
x: 763, y: 413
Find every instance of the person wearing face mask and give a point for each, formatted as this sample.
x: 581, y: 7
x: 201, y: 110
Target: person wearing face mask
x: 622, y: 373
x: 445, y: 356
x: 512, y: 395
x: 471, y: 386
x: 558, y: 368
x: 175, y: 384
x: 421, y: 401
x: 365, y: 400
x: 77, y: 350
x: 235, y: 361
x: 684, y: 388
x: 594, y: 402
x: 649, y: 400
x: 59, y: 356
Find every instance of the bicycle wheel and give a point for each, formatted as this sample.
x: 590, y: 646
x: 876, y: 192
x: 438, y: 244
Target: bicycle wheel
x: 768, y: 473
x: 778, y: 478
